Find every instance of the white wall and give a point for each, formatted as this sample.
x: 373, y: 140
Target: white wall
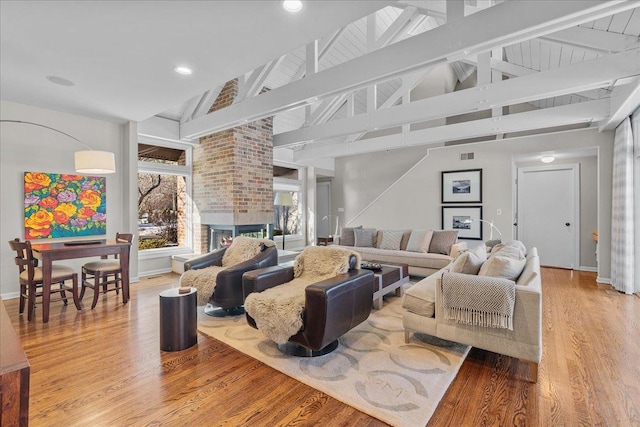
x: 30, y: 148
x: 361, y: 183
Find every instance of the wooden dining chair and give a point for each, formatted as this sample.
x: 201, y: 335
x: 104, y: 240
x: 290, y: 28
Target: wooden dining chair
x: 30, y: 278
x: 104, y: 272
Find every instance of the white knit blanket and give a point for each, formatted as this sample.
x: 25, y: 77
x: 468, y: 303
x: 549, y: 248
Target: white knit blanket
x: 478, y: 300
x: 278, y: 311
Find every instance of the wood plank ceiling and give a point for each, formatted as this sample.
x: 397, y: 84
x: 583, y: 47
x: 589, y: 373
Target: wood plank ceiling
x: 599, y: 38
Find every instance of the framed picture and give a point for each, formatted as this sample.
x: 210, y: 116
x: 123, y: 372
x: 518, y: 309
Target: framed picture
x: 64, y: 205
x: 461, y: 218
x: 464, y: 186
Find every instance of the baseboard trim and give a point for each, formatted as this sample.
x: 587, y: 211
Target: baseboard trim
x: 154, y: 272
x: 605, y: 280
x: 10, y: 295
x: 590, y: 269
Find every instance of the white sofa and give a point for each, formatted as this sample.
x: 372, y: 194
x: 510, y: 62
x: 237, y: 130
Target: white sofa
x: 421, y: 262
x: 425, y: 314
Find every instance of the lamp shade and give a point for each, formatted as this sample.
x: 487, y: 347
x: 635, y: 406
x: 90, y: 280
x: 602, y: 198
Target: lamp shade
x: 283, y: 199
x: 93, y: 161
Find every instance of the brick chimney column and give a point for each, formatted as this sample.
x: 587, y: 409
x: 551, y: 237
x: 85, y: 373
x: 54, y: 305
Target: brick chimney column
x: 233, y: 174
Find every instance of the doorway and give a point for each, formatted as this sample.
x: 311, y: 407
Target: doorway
x: 548, y: 213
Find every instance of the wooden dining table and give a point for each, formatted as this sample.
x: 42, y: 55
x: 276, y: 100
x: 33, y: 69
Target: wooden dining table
x: 49, y: 252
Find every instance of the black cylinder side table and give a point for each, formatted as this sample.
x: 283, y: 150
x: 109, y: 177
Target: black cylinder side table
x: 178, y: 319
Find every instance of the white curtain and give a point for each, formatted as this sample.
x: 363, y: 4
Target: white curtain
x: 635, y: 127
x: 622, y: 212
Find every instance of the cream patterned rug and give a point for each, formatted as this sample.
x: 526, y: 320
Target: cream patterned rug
x: 372, y: 369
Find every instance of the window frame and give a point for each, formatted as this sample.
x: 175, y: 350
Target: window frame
x: 185, y: 171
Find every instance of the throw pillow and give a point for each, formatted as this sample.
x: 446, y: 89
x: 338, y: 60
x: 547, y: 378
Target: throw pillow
x: 518, y: 244
x: 365, y: 237
x: 347, y: 238
x: 390, y: 239
x: 469, y: 262
x: 511, y: 252
x: 442, y: 241
x: 405, y: 240
x: 419, y: 241
x: 502, y: 266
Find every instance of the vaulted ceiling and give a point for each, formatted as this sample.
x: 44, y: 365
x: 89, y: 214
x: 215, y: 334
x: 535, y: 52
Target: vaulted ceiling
x: 361, y: 76
x: 385, y: 80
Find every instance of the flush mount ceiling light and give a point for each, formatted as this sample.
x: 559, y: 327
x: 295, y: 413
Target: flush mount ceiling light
x: 547, y: 159
x: 185, y: 71
x: 292, y: 6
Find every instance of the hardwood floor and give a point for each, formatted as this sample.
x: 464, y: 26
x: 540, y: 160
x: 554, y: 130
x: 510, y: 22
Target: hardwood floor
x: 104, y: 367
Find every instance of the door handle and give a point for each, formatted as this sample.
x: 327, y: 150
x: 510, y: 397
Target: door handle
x: 515, y: 224
x: 567, y: 224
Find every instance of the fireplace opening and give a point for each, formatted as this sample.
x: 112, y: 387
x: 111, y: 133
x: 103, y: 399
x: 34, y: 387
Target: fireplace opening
x: 221, y: 236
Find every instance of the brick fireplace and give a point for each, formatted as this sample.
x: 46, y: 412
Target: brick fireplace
x: 233, y: 179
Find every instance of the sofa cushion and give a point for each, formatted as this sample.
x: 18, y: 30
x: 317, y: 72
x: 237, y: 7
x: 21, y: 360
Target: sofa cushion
x: 347, y: 237
x: 413, y: 259
x: 531, y: 270
x: 441, y: 241
x: 365, y: 237
x: 502, y: 266
x: 419, y: 241
x: 421, y: 297
x: 469, y: 262
x: 388, y: 239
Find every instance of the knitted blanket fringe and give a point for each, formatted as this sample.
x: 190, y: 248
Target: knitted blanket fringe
x: 468, y: 316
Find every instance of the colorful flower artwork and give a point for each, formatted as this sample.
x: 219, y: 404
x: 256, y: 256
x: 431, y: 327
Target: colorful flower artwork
x: 64, y: 205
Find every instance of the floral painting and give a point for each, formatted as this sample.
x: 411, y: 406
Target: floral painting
x: 64, y: 205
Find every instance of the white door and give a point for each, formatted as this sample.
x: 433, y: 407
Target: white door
x: 548, y: 215
x: 323, y: 209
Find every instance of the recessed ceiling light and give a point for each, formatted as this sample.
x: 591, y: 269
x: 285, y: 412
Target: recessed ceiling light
x: 60, y: 81
x: 185, y: 71
x: 292, y: 6
x: 547, y: 159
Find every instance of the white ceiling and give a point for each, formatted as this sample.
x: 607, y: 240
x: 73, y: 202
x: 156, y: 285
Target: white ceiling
x: 121, y: 54
x: 566, y: 63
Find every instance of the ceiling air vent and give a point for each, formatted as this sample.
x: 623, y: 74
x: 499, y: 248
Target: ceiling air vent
x: 466, y: 156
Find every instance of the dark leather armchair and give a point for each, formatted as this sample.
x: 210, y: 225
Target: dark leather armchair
x: 332, y: 306
x: 227, y: 298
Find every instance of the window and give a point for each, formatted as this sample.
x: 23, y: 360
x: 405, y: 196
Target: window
x: 164, y: 186
x: 288, y: 206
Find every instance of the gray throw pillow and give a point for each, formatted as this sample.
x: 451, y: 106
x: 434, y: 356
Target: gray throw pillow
x: 389, y: 239
x: 347, y: 237
x: 365, y: 237
x: 441, y: 241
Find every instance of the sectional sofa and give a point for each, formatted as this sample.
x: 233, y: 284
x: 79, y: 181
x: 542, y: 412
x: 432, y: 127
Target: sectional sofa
x: 425, y: 311
x: 424, y: 251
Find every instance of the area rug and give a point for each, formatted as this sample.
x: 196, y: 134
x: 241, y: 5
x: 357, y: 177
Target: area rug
x: 372, y: 370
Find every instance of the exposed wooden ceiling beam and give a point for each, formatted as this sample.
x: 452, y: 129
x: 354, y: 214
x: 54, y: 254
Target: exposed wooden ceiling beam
x: 577, y: 77
x: 584, y: 112
x: 200, y: 105
x: 593, y: 40
x: 624, y: 101
x: 329, y: 107
x: 474, y: 34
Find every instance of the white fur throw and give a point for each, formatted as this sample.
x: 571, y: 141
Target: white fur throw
x: 204, y: 279
x: 278, y: 310
x: 243, y: 249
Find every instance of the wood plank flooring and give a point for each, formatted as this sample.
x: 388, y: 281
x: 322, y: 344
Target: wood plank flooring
x: 104, y: 367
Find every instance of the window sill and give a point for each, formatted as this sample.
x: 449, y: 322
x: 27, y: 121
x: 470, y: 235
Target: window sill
x: 163, y: 252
